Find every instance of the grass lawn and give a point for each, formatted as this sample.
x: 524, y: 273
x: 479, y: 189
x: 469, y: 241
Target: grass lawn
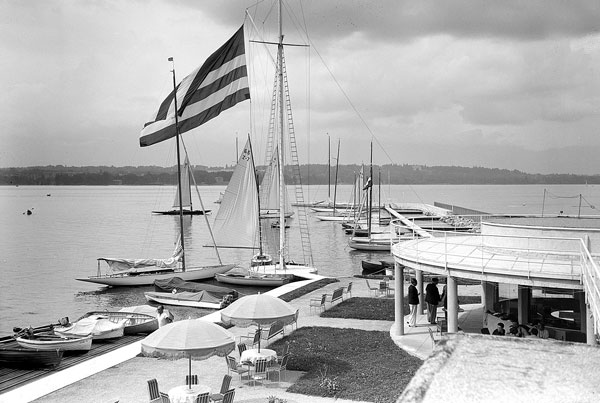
x: 348, y: 363
x: 308, y: 288
x: 376, y: 308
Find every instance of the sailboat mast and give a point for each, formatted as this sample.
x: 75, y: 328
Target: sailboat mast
x: 369, y: 218
x: 178, y: 166
x: 328, y: 168
x: 280, y: 145
x: 260, y: 244
x: 337, y: 165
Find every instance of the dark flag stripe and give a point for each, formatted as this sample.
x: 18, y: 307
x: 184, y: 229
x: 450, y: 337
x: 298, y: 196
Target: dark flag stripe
x: 196, y: 120
x: 220, y: 83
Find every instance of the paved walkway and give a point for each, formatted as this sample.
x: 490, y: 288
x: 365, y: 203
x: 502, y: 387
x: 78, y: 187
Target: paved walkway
x: 109, y: 379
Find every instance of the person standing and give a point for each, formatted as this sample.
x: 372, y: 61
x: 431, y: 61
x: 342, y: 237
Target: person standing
x: 413, y: 302
x: 432, y: 297
x: 164, y: 317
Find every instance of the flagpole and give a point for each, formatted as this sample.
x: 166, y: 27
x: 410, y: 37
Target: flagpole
x: 178, y: 166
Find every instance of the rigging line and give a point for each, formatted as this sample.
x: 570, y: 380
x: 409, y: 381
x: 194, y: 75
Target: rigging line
x: 373, y: 137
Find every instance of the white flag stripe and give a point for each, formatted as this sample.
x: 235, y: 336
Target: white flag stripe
x: 210, y: 78
x: 215, y: 98
x: 223, y: 70
x: 198, y: 107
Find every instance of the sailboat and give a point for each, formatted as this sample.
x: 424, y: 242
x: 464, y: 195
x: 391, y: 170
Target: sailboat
x: 281, y: 130
x: 186, y: 195
x: 269, y: 191
x: 372, y: 241
x: 237, y: 224
x: 184, y: 109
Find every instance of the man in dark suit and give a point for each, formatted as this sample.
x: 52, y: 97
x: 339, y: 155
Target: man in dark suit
x: 432, y: 298
x: 413, y: 302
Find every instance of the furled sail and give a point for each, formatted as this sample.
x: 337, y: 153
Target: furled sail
x: 236, y: 223
x: 141, y: 265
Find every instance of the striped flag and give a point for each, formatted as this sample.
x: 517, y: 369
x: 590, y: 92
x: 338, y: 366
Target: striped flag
x: 220, y: 83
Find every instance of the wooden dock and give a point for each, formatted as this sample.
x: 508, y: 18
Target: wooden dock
x: 11, y: 378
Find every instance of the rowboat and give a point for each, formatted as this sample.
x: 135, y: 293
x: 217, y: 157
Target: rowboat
x: 56, y: 342
x: 134, y: 322
x: 253, y: 279
x: 200, y: 299
x: 372, y: 267
x: 96, y: 326
x: 29, y: 358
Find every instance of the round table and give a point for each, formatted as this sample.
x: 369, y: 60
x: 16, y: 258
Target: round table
x: 185, y: 394
x: 252, y: 354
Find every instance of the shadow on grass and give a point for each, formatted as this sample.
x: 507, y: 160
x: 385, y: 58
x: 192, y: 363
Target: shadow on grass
x: 348, y: 363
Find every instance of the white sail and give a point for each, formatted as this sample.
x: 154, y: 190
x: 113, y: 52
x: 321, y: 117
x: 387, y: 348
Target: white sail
x: 236, y: 223
x: 269, y: 190
x: 186, y: 191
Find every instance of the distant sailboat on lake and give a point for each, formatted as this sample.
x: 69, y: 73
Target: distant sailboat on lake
x: 186, y: 195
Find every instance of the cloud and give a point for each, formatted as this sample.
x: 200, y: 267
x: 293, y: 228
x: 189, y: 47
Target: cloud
x: 79, y: 79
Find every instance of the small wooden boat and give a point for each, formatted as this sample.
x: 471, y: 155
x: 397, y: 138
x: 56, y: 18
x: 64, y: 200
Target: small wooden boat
x: 29, y: 358
x: 97, y: 326
x: 176, y: 284
x: 200, y: 299
x: 253, y: 279
x: 375, y: 267
x: 54, y: 342
x: 134, y: 322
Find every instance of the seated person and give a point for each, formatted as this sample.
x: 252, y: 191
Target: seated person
x: 499, y: 331
x: 542, y: 331
x: 523, y: 331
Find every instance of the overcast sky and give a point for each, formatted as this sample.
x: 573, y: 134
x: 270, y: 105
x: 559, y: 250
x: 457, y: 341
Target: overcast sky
x: 506, y: 84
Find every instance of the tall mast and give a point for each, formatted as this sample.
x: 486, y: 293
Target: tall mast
x: 370, y: 192
x: 178, y: 166
x: 260, y: 244
x: 281, y: 145
x: 328, y: 168
x: 337, y: 164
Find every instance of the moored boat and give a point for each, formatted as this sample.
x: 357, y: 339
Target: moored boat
x: 176, y: 284
x: 134, y: 323
x: 29, y: 358
x: 54, y: 342
x: 97, y: 326
x: 375, y: 267
x: 136, y: 276
x: 200, y: 299
x: 254, y: 279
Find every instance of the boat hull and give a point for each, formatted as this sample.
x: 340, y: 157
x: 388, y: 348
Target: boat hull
x: 29, y: 358
x: 378, y: 267
x: 371, y: 246
x: 185, y: 212
x: 127, y: 280
x: 57, y: 342
x: 167, y: 298
x: 135, y: 323
x: 96, y: 336
x: 256, y: 281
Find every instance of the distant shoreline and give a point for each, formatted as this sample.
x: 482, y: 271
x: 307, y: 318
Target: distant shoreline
x: 310, y: 174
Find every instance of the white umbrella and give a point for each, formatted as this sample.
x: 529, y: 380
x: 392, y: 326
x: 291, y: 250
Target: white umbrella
x: 260, y: 310
x: 192, y: 338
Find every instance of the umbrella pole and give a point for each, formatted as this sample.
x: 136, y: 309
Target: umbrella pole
x: 190, y: 372
x: 259, y: 337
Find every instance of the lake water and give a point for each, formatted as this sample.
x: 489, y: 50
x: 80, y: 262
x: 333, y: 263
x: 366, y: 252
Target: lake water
x: 71, y: 227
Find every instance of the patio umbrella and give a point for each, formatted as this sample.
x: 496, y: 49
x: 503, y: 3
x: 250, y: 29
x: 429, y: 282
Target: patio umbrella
x: 194, y: 339
x: 260, y: 310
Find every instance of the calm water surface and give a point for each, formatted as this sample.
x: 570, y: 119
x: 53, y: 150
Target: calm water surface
x: 71, y: 227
